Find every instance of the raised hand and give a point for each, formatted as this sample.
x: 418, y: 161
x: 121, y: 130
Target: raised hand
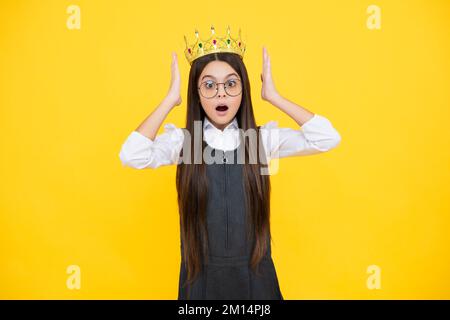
x: 268, y: 91
x: 174, y: 95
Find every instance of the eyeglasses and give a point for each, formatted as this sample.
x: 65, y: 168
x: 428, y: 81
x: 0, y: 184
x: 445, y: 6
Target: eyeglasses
x: 210, y: 88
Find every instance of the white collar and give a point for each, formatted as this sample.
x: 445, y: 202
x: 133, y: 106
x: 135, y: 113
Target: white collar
x: 228, y: 139
x: 207, y: 124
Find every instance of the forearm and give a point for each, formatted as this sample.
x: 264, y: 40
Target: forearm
x: 296, y: 112
x: 150, y: 126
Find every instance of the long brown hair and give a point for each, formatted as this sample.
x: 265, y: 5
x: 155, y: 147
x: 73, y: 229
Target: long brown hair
x: 192, y: 183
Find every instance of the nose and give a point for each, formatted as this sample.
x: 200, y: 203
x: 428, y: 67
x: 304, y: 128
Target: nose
x: 221, y: 90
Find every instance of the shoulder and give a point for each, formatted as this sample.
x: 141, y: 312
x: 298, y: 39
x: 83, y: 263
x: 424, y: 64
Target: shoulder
x: 269, y: 125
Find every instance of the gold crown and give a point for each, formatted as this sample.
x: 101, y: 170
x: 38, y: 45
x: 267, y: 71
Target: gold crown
x: 213, y: 44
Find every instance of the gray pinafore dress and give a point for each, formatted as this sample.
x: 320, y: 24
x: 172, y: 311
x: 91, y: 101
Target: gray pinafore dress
x: 227, y: 274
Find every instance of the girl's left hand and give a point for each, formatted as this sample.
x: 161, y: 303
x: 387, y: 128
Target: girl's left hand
x: 268, y: 91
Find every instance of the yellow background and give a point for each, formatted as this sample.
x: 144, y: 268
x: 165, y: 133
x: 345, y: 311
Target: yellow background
x: 69, y: 98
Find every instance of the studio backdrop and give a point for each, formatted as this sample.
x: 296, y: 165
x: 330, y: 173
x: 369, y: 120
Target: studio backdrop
x: 366, y: 220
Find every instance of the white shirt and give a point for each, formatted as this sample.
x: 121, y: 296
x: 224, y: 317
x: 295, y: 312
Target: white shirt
x: 315, y: 136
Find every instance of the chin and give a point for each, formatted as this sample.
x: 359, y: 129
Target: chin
x: 221, y: 119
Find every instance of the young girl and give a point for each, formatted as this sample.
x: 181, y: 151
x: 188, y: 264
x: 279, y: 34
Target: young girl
x: 224, y: 206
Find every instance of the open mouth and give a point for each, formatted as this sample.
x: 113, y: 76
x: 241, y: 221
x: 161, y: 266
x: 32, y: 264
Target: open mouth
x: 222, y: 108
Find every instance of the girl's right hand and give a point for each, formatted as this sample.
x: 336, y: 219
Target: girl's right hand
x: 174, y: 95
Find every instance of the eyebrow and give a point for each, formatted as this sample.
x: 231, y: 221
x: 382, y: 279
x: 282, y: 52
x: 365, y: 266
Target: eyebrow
x: 208, y: 75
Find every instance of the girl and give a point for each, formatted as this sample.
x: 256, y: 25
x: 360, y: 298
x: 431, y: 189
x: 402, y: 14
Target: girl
x: 224, y: 206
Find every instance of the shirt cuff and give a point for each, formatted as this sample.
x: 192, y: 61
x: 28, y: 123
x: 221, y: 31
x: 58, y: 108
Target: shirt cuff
x: 316, y: 120
x: 136, y: 135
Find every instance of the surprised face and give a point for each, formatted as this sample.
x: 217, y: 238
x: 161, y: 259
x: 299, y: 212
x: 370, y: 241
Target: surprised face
x: 222, y: 107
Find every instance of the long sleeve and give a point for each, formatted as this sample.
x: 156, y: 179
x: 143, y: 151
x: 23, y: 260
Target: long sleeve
x: 140, y: 152
x: 317, y: 135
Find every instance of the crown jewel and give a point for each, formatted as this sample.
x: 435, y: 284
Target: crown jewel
x: 213, y: 44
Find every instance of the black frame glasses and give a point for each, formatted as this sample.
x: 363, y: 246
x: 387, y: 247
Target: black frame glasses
x: 217, y: 88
